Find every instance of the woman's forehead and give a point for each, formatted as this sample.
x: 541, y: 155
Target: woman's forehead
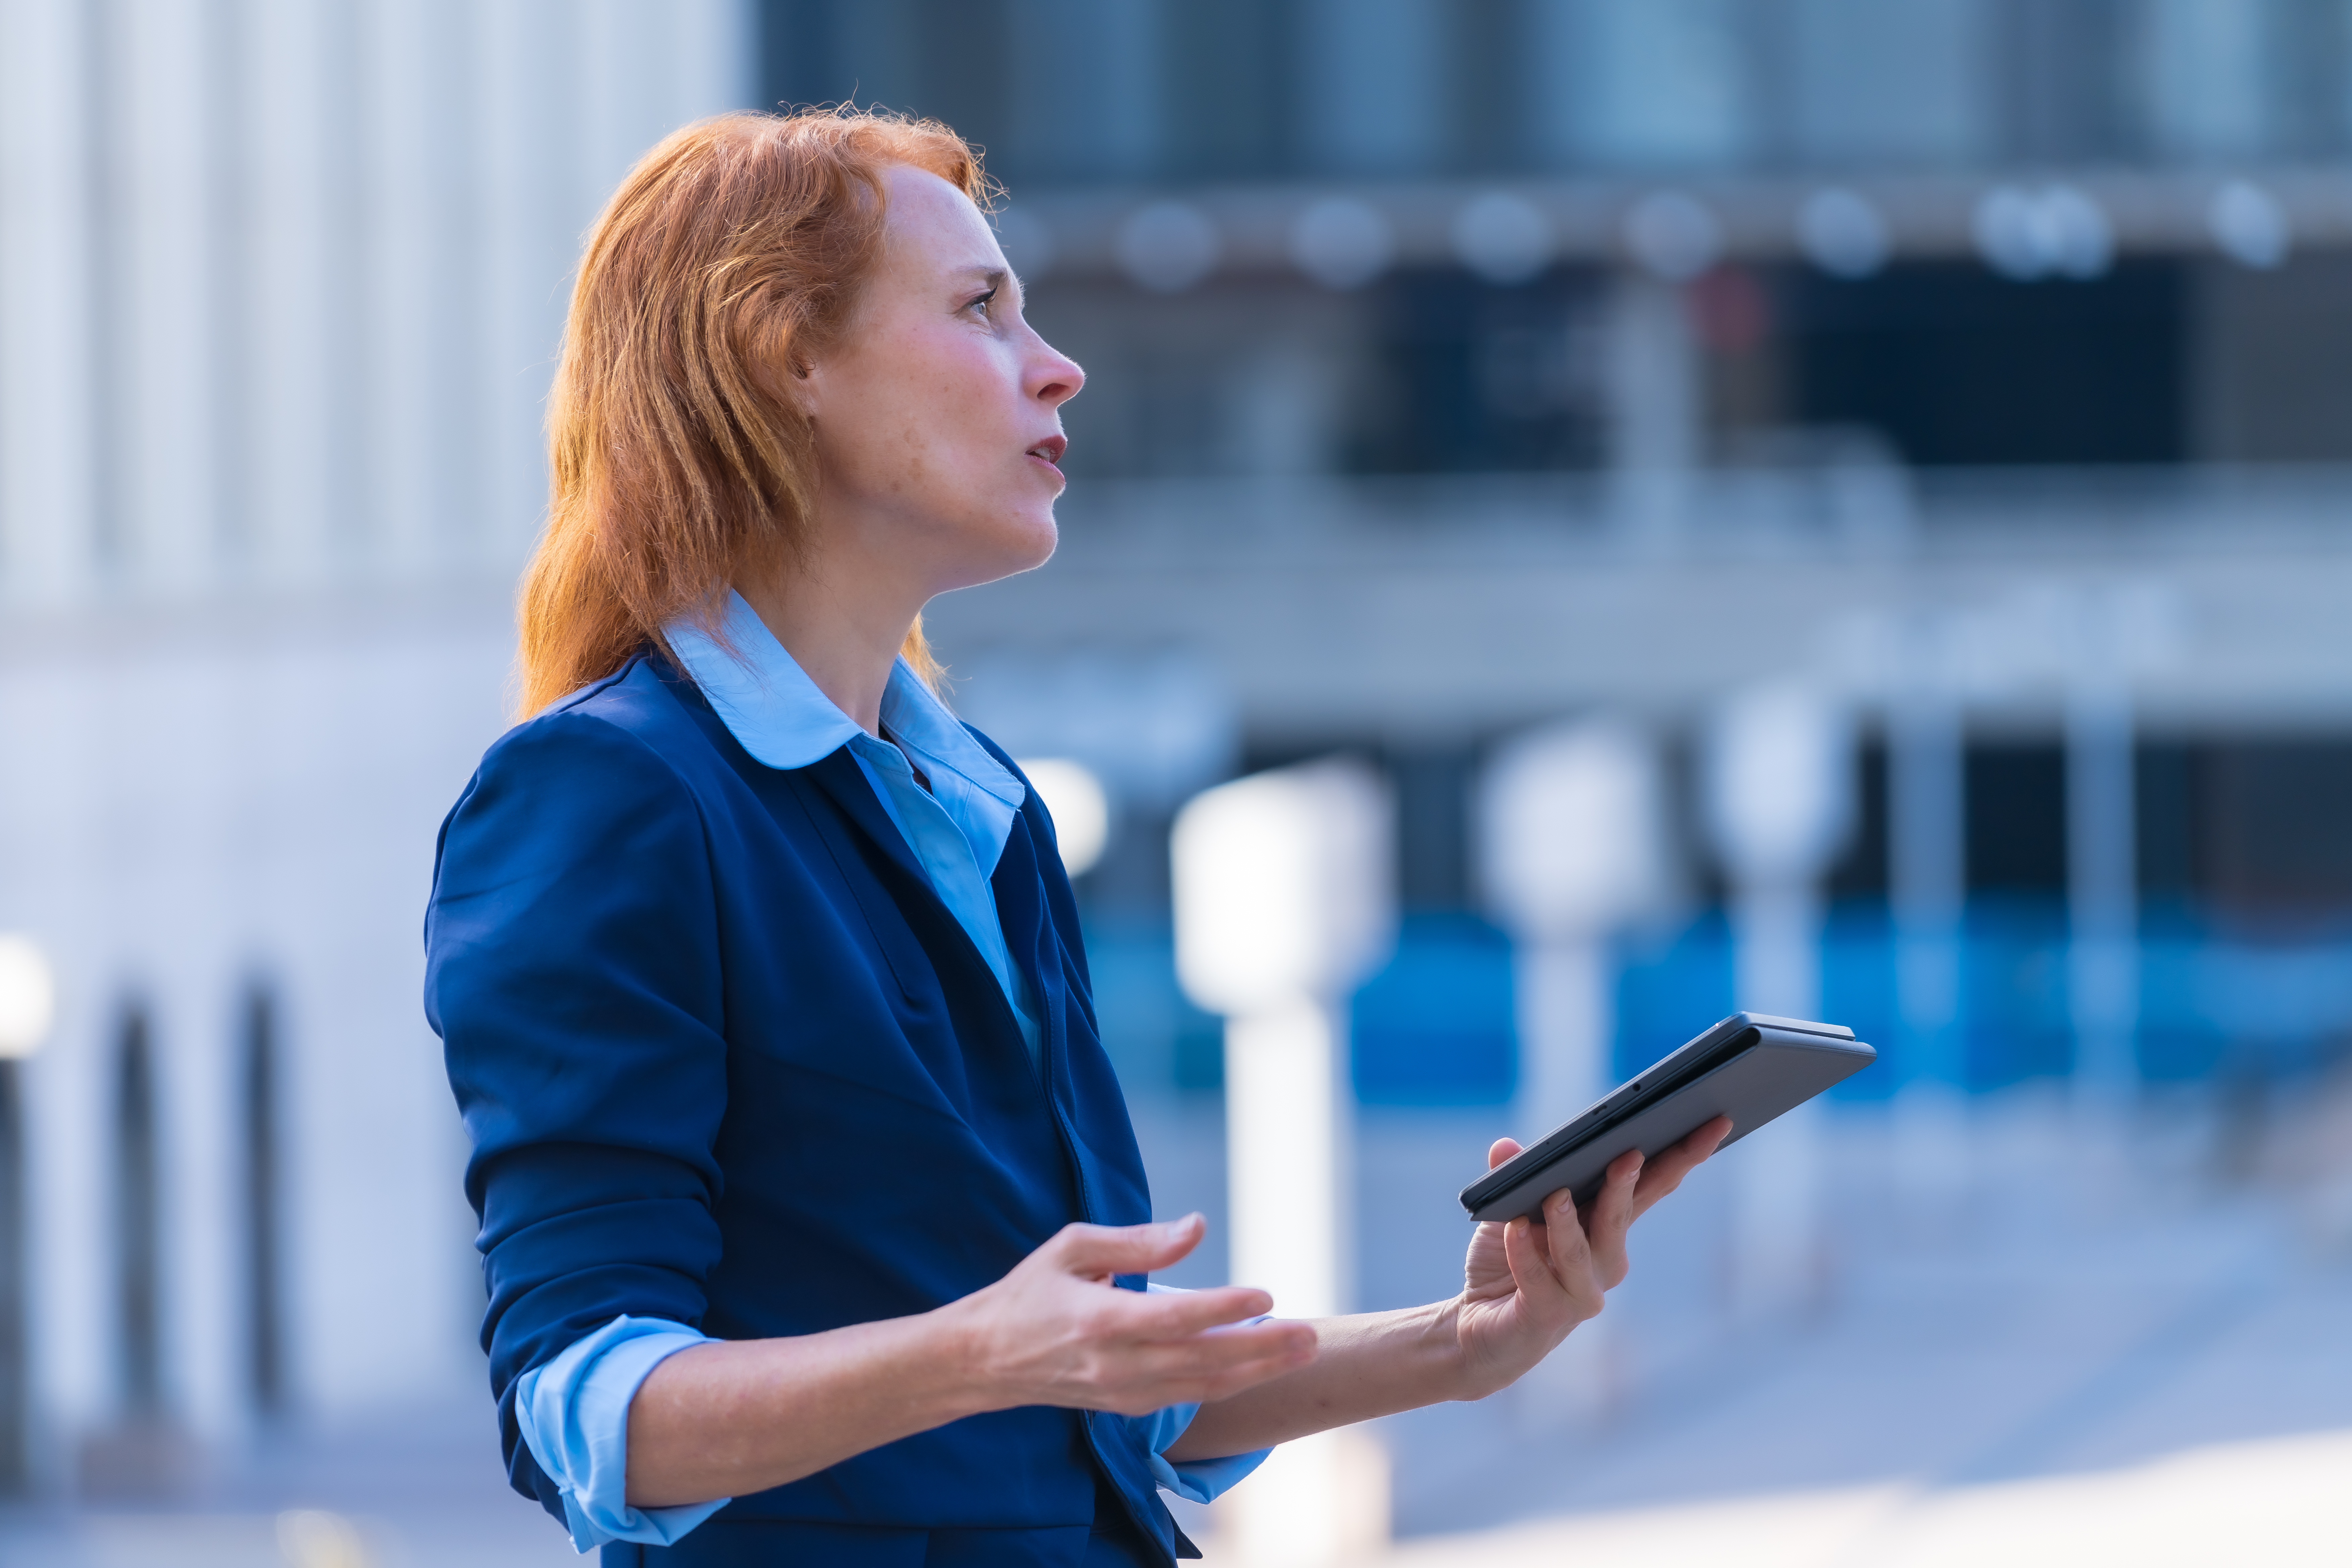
x: 934, y: 223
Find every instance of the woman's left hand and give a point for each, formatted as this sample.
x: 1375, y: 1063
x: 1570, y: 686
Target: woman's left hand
x: 1526, y: 1284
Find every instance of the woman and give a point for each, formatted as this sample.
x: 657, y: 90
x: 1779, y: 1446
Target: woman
x: 813, y: 1226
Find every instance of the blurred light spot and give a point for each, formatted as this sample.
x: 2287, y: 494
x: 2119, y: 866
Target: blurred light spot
x: 1673, y: 235
x: 2250, y: 225
x: 1283, y: 886
x: 312, y: 1538
x: 1027, y: 243
x: 1168, y: 246
x: 1074, y: 797
x: 1573, y: 837
x: 28, y: 997
x: 1502, y: 237
x: 1342, y: 243
x: 1843, y: 233
x: 1779, y: 791
x: 2032, y: 234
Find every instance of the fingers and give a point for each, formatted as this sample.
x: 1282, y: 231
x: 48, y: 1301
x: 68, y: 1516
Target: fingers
x: 1502, y: 1149
x: 1179, y: 1313
x: 1092, y: 1251
x: 1177, y: 1383
x: 1549, y: 1264
x: 1209, y: 1366
x: 1611, y: 1214
x: 1664, y: 1174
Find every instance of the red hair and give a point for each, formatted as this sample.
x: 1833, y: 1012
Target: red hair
x: 731, y: 255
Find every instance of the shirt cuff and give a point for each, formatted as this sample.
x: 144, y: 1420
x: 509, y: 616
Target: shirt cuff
x: 574, y: 1414
x: 1197, y: 1480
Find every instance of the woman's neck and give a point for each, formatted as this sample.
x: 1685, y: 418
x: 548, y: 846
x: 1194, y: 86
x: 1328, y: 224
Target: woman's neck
x: 845, y: 640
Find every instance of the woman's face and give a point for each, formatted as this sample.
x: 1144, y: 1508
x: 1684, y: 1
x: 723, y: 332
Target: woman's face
x: 938, y: 418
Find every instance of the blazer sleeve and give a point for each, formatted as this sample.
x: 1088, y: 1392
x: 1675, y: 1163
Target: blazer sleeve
x: 572, y: 970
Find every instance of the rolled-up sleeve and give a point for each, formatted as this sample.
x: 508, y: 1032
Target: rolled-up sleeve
x: 574, y: 1414
x: 1199, y: 1481
x: 572, y: 974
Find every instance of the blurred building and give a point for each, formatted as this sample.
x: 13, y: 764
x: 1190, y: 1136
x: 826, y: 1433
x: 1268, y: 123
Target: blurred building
x: 280, y: 286
x: 1457, y: 365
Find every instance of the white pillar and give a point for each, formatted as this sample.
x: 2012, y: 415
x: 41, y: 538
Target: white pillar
x: 298, y: 261
x: 1573, y: 844
x: 1776, y: 1241
x: 48, y: 376
x: 536, y: 203
x: 1289, y: 1155
x: 1284, y: 903
x: 1926, y: 895
x: 163, y: 217
x: 1655, y: 401
x: 1780, y: 804
x: 419, y: 319
x: 2102, y: 874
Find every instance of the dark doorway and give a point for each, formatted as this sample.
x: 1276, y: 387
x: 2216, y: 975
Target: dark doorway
x: 264, y: 1283
x: 138, y: 1260
x: 16, y: 1371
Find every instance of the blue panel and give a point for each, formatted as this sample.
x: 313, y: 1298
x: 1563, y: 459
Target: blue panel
x: 1435, y: 1027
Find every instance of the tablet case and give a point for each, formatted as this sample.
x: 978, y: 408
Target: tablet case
x: 1762, y: 1066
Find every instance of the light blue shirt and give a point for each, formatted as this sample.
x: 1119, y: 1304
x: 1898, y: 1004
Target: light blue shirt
x: 574, y: 1409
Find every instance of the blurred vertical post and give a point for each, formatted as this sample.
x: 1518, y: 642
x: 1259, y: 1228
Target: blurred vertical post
x: 1653, y: 388
x: 1927, y: 886
x: 1780, y: 804
x: 1284, y: 903
x: 27, y: 1009
x: 1572, y: 846
x: 2102, y: 874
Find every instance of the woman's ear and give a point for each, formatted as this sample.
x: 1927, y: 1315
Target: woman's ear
x: 802, y: 386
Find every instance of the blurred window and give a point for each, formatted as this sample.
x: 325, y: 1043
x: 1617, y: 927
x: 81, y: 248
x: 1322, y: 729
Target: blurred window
x: 1085, y: 92
x: 1373, y: 84
x: 1954, y: 365
x: 2279, y: 838
x: 1135, y: 91
x: 1639, y: 82
x: 2203, y: 76
x: 2016, y: 818
x: 1869, y: 82
x: 1472, y: 377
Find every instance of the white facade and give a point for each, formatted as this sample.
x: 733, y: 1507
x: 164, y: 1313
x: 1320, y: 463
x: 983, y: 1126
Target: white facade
x: 280, y: 289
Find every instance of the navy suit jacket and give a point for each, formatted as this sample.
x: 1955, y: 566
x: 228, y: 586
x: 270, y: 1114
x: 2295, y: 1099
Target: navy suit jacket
x: 726, y: 1058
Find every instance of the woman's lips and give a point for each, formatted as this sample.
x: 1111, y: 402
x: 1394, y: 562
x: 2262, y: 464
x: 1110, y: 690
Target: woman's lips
x: 1049, y: 452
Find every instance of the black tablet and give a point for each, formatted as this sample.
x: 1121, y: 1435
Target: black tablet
x: 1750, y: 1067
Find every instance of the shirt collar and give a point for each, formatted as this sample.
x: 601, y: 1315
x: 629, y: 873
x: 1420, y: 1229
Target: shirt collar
x: 778, y: 714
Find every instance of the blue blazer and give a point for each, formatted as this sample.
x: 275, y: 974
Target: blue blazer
x: 726, y: 1058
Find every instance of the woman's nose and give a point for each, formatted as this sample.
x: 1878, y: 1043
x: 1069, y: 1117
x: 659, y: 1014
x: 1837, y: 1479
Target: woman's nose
x: 1055, y: 378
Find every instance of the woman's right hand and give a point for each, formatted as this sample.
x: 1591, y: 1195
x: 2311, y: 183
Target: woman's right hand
x: 1055, y: 1331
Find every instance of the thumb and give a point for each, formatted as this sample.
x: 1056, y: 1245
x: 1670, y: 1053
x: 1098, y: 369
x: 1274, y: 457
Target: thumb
x: 1093, y: 1250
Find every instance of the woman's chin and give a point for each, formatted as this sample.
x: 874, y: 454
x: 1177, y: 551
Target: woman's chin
x: 1007, y: 550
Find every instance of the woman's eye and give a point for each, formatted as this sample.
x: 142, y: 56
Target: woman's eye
x: 983, y: 304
